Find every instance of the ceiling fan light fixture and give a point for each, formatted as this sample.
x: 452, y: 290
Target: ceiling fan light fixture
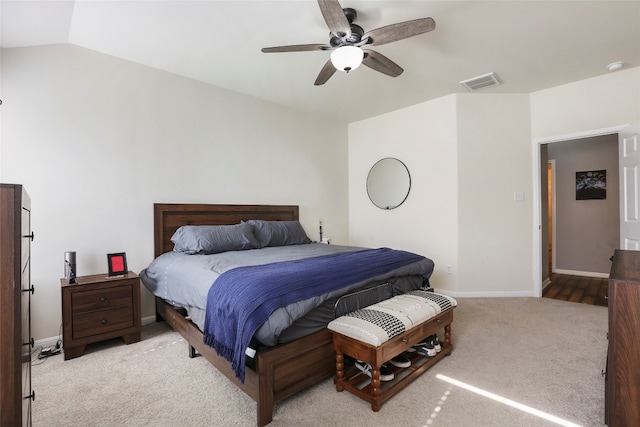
x: 347, y: 58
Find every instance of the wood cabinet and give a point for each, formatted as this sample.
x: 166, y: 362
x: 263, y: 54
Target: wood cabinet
x: 622, y: 378
x: 98, y: 308
x: 16, y: 343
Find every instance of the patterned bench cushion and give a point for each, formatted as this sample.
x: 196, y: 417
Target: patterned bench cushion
x: 380, y: 322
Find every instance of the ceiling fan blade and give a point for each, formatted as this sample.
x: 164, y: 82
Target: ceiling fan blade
x: 381, y: 63
x: 399, y: 31
x: 296, y: 48
x: 325, y: 74
x: 335, y: 18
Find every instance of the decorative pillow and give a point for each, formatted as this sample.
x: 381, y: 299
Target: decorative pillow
x: 279, y: 233
x: 212, y: 239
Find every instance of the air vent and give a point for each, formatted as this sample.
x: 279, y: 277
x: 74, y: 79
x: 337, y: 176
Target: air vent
x: 480, y: 82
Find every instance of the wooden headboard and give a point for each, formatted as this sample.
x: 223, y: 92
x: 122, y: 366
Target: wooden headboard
x: 168, y: 217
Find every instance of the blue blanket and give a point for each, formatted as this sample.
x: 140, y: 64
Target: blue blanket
x: 243, y: 298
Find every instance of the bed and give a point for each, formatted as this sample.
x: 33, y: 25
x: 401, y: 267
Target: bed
x: 296, y: 360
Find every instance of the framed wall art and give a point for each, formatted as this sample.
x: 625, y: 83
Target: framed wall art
x: 591, y: 185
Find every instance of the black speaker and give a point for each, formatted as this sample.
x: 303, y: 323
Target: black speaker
x: 70, y: 267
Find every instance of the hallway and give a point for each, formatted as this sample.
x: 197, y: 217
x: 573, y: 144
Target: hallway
x: 586, y: 290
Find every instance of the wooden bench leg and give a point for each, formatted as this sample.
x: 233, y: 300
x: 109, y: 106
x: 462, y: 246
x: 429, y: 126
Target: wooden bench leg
x: 339, y: 371
x: 375, y: 388
x: 447, y: 335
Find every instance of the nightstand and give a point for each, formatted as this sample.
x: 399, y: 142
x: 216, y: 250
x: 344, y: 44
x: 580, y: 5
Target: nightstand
x: 98, y: 308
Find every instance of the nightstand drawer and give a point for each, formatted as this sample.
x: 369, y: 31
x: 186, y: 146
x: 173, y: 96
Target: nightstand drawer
x: 101, y: 299
x: 100, y: 322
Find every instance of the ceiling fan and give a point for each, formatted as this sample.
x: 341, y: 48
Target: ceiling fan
x: 349, y: 44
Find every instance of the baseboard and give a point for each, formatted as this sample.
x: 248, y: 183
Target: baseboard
x: 581, y: 273
x: 498, y: 294
x: 148, y: 320
x: 546, y: 283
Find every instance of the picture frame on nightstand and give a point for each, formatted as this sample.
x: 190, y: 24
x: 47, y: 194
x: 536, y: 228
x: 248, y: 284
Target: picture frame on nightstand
x: 117, y: 263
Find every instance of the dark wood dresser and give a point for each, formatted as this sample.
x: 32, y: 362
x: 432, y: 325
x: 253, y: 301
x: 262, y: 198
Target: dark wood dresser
x: 98, y: 308
x: 16, y: 343
x: 622, y: 378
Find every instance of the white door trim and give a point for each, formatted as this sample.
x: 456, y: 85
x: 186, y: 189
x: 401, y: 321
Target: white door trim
x: 554, y: 250
x: 629, y: 160
x: 580, y: 135
x: 537, y: 224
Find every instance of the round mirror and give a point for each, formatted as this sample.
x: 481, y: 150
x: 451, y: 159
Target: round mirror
x: 388, y: 183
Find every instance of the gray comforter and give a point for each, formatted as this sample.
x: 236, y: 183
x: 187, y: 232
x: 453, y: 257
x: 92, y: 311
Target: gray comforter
x: 184, y: 280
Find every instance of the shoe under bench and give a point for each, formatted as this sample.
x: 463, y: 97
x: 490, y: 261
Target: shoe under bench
x: 372, y: 390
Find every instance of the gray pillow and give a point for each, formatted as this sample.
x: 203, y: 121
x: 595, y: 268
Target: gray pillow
x: 212, y: 239
x: 279, y: 233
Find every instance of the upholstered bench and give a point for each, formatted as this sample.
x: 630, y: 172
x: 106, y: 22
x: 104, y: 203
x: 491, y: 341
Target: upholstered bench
x: 378, y: 333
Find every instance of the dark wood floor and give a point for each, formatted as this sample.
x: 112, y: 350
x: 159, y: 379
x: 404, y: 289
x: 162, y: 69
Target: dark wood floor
x: 587, y: 290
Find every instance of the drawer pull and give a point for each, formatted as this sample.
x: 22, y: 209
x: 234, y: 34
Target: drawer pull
x: 404, y: 340
x: 103, y: 299
x: 104, y: 321
x: 439, y: 320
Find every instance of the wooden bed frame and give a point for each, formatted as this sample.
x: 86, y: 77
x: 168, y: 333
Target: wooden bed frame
x: 280, y: 371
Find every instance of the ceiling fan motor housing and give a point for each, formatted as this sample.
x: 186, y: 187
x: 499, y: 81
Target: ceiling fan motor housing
x: 350, y: 13
x: 357, y: 31
x: 356, y: 36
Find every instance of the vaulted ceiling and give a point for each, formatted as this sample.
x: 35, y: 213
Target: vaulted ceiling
x: 530, y: 45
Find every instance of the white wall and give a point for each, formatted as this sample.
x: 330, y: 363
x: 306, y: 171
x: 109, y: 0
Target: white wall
x: 494, y: 163
x: 97, y: 140
x: 424, y: 138
x: 601, y: 102
x: 0, y: 90
x: 467, y: 155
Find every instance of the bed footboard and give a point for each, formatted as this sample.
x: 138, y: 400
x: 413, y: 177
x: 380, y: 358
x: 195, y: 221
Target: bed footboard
x: 280, y: 372
x: 289, y: 368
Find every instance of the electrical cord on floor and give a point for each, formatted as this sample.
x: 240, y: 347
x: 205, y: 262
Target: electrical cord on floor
x: 44, y: 353
x: 35, y: 352
x: 35, y: 361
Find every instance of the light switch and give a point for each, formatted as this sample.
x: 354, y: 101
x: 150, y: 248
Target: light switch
x: 518, y: 196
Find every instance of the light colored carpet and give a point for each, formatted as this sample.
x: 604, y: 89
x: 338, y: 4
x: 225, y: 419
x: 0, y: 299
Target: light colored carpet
x: 538, y: 352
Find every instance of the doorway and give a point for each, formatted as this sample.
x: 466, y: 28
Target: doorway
x: 592, y: 224
x: 585, y: 225
x: 547, y: 210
